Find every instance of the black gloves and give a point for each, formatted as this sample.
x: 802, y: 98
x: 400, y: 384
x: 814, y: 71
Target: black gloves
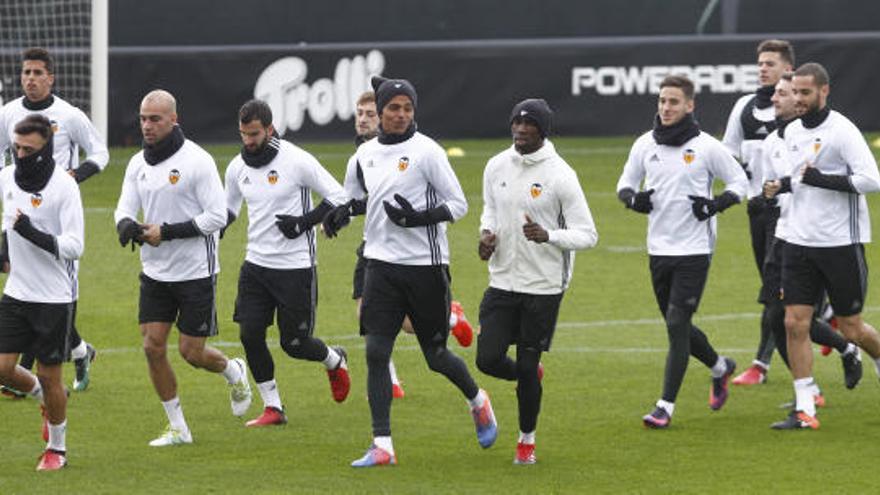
x: 337, y: 218
x: 637, y: 201
x: 85, y: 170
x: 129, y: 231
x: 406, y: 216
x: 358, y: 207
x: 291, y: 226
x: 179, y: 230
x: 230, y: 217
x: 812, y: 176
x: 42, y: 240
x: 704, y: 208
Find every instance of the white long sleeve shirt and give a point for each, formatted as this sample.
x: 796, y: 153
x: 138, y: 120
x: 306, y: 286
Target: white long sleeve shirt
x: 418, y: 170
x: 281, y: 187
x: 824, y: 217
x: 748, y: 151
x: 72, y: 130
x: 544, y: 187
x: 184, y: 187
x: 37, y: 275
x: 776, y: 165
x: 675, y: 172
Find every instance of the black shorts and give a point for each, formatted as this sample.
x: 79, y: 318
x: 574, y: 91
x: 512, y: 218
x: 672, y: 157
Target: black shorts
x: 41, y: 329
x: 840, y: 271
x: 771, y: 274
x: 524, y: 319
x: 679, y: 280
x: 392, y: 291
x: 190, y: 303
x: 360, y: 269
x: 263, y: 291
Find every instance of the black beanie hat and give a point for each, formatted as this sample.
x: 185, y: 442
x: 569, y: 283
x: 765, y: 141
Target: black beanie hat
x: 386, y: 89
x: 536, y: 111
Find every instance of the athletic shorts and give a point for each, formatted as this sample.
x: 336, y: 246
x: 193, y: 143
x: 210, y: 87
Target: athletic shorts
x: 41, y: 329
x: 840, y: 271
x: 393, y: 291
x: 528, y: 320
x: 189, y: 303
x: 360, y: 269
x: 263, y: 292
x: 771, y: 275
x: 679, y: 280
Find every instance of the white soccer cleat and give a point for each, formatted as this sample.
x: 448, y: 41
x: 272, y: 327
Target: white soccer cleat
x: 240, y: 392
x: 171, y: 437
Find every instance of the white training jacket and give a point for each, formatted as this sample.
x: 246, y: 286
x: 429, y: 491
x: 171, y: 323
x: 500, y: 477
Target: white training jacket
x: 37, y: 275
x: 748, y: 151
x: 776, y: 164
x: 676, y: 172
x: 824, y: 217
x: 418, y: 170
x: 544, y: 187
x: 184, y: 187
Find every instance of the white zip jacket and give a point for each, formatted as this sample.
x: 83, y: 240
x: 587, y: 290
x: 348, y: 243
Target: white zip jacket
x: 776, y: 165
x: 748, y: 151
x: 544, y: 187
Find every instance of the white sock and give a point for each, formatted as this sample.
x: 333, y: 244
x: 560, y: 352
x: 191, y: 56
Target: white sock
x: 850, y: 348
x: 760, y: 364
x: 393, y: 371
x: 233, y: 371
x: 56, y: 436
x: 174, y: 411
x: 384, y: 443
x: 79, y: 351
x: 877, y: 365
x: 453, y: 319
x: 332, y: 360
x: 269, y: 393
x: 479, y: 400
x: 669, y: 406
x: 527, y: 438
x: 720, y: 367
x: 814, y: 389
x: 803, y: 391
x: 37, y: 391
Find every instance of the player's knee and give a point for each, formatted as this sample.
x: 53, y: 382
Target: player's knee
x: 154, y: 350
x: 192, y: 354
x: 796, y: 325
x: 436, y: 358
x: 378, y: 352
x: 293, y: 347
x: 677, y: 318
x: 488, y: 362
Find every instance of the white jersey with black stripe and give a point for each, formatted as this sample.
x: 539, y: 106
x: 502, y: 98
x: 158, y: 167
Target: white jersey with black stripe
x: 824, y: 217
x: 184, y: 187
x: 72, y: 131
x: 281, y: 187
x: 37, y: 275
x: 418, y: 170
x: 776, y: 164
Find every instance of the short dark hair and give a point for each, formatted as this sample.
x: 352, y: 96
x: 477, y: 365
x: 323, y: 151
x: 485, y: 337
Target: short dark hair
x: 787, y: 76
x: 680, y: 82
x: 820, y: 75
x: 39, y: 54
x: 366, y: 97
x: 35, y: 123
x: 255, y: 110
x: 782, y: 47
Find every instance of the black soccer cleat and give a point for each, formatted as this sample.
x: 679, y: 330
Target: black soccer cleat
x: 797, y: 420
x: 852, y: 368
x: 82, y: 366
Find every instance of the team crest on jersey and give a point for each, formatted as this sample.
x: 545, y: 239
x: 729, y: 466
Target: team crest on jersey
x: 403, y: 163
x: 174, y: 176
x: 689, y: 156
x: 817, y: 145
x: 54, y: 126
x: 36, y: 199
x: 536, y: 190
x: 272, y: 177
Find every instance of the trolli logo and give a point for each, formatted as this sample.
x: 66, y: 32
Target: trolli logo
x: 283, y: 86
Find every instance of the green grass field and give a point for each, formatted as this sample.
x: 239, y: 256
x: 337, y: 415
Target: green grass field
x: 603, y: 374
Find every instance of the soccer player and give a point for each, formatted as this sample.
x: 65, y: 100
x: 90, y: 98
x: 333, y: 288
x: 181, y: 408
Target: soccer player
x: 176, y: 185
x: 678, y: 163
x: 534, y: 217
x: 831, y: 169
x: 275, y: 178
x: 42, y: 236
x: 751, y: 120
x: 413, y: 192
x: 366, y: 127
x: 72, y: 131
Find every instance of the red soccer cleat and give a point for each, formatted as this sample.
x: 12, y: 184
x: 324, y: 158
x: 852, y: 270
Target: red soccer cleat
x: 340, y: 382
x: 52, y: 460
x: 754, y: 375
x: 525, y: 454
x: 271, y: 416
x: 462, y: 330
x: 397, y: 391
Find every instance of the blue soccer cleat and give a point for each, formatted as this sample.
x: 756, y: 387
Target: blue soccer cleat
x: 375, y: 456
x: 484, y: 421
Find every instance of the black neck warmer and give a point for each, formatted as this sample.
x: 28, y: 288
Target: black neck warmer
x: 763, y: 95
x: 397, y: 138
x: 781, y: 124
x: 161, y: 151
x: 676, y: 134
x: 815, y: 118
x: 264, y: 155
x: 38, y: 105
x: 33, y: 172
